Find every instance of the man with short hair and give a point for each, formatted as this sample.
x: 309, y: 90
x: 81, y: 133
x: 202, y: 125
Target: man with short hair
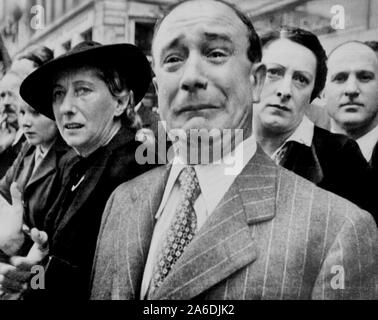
x: 261, y: 232
x: 351, y: 94
x: 11, y: 137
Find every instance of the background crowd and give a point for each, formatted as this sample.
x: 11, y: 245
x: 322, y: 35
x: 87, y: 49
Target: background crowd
x: 68, y: 140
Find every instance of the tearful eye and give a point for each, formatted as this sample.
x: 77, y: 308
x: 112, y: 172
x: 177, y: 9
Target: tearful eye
x: 217, y: 54
x: 172, y: 59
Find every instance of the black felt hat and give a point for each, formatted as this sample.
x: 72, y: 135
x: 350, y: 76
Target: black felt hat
x: 126, y: 58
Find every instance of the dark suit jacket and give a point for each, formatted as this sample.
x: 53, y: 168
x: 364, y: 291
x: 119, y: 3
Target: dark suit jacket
x: 35, y: 188
x: 8, y: 156
x: 334, y: 162
x: 73, y: 221
x: 274, y: 235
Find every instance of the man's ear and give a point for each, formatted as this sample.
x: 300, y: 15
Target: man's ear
x: 257, y: 79
x: 154, y: 81
x: 123, y: 101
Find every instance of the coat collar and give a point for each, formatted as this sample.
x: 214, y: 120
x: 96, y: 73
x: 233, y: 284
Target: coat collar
x: 97, y: 166
x: 225, y: 243
x: 49, y: 163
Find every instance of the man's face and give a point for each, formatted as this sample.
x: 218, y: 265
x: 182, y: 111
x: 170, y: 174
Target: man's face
x: 10, y: 99
x: 351, y: 92
x: 204, y: 79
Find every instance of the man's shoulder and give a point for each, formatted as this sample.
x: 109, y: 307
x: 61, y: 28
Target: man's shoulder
x: 324, y: 205
x: 329, y: 139
x: 142, y: 184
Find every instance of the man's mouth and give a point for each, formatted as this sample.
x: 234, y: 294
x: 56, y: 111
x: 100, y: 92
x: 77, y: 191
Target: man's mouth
x: 196, y: 108
x: 351, y: 104
x: 278, y: 106
x: 73, y: 126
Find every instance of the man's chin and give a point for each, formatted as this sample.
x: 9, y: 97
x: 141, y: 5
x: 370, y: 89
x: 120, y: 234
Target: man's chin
x: 352, y: 120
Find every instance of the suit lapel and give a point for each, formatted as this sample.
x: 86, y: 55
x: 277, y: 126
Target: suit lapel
x: 135, y: 240
x: 304, y: 161
x: 225, y: 243
x: 46, y: 166
x: 25, y: 171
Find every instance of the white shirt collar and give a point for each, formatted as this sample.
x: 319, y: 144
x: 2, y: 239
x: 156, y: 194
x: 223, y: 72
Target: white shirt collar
x: 368, y: 142
x: 41, y: 152
x: 214, y: 178
x: 303, y: 135
x: 18, y: 136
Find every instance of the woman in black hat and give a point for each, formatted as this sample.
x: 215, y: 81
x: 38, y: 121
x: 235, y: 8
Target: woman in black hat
x: 91, y: 92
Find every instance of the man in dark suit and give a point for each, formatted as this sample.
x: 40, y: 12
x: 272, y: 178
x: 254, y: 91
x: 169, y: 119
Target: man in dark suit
x: 258, y: 232
x: 351, y: 94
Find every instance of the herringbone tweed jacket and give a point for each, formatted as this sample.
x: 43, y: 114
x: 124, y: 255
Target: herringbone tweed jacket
x: 273, y: 235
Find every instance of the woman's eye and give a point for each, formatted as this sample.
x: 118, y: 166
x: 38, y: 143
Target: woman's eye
x: 83, y: 91
x: 301, y: 79
x: 57, y: 94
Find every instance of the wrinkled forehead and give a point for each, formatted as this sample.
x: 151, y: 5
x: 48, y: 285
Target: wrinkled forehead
x: 201, y: 16
x: 353, y: 56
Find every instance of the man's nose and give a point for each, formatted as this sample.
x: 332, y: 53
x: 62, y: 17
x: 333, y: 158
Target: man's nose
x: 352, y: 90
x: 193, y: 75
x: 6, y: 100
x: 284, y: 89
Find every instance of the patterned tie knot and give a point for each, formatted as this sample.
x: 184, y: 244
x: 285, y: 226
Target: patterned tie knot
x: 189, y: 185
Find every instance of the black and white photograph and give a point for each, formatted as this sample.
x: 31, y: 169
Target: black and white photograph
x: 188, y: 150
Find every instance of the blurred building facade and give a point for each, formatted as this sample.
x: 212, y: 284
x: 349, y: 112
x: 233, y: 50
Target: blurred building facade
x: 61, y: 24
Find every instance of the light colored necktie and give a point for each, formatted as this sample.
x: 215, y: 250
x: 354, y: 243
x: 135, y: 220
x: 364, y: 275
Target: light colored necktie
x: 281, y: 154
x: 181, y: 230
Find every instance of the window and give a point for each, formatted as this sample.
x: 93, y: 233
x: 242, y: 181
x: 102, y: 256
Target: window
x: 143, y: 36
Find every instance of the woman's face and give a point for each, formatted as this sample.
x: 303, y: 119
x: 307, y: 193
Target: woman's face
x: 38, y: 129
x: 84, y: 109
x: 290, y: 78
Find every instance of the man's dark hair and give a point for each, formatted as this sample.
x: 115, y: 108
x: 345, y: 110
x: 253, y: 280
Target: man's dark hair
x: 373, y: 45
x: 254, y: 51
x: 311, y: 42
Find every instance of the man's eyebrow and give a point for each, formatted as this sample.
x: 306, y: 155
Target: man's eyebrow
x: 173, y: 43
x: 217, y: 36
